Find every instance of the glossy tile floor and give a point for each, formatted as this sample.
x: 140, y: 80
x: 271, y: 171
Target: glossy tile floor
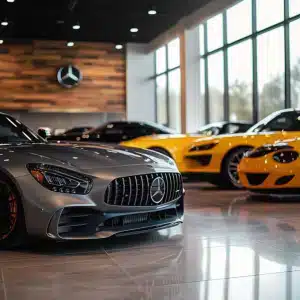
x: 230, y: 247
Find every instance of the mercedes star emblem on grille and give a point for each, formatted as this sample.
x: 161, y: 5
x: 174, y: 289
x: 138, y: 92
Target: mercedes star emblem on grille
x: 158, y: 190
x: 69, y: 76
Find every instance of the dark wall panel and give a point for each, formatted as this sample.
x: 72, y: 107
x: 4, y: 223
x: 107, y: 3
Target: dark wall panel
x: 28, y: 77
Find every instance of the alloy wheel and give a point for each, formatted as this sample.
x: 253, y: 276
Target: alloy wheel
x: 233, y: 164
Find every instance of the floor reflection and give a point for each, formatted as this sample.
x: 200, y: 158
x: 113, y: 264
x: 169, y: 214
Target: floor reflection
x: 230, y: 247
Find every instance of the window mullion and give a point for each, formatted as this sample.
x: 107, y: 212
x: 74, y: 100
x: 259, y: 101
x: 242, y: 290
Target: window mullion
x: 207, y: 111
x: 225, y: 69
x: 287, y: 77
x: 167, y: 84
x: 255, y: 98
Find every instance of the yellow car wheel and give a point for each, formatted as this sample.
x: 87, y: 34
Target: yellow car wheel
x: 229, y: 176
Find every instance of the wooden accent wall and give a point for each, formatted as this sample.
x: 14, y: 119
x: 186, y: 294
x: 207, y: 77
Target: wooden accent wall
x: 28, y: 77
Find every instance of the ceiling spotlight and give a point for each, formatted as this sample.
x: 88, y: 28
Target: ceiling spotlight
x: 76, y: 26
x: 70, y: 44
x: 152, y: 12
x: 1, y: 42
x: 11, y: 1
x: 134, y: 30
x: 119, y: 47
x: 4, y: 23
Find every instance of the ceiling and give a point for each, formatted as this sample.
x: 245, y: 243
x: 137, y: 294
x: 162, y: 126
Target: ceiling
x: 100, y: 20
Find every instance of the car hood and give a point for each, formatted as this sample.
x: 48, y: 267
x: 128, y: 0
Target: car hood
x: 231, y: 136
x: 83, y: 156
x: 159, y: 137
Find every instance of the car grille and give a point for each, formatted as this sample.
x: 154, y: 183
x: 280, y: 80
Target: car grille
x: 256, y: 178
x: 135, y: 190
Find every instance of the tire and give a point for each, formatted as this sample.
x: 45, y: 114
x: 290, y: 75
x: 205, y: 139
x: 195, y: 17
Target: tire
x: 161, y: 151
x: 229, y: 175
x: 214, y: 181
x: 12, y: 222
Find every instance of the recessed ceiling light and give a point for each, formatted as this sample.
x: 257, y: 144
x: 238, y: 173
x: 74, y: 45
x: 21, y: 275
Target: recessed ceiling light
x: 76, y: 26
x: 152, y: 12
x: 10, y: 1
x: 1, y: 42
x: 119, y: 47
x: 4, y: 23
x: 70, y: 44
x: 134, y: 29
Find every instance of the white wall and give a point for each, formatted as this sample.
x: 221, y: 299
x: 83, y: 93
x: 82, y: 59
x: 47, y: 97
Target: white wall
x: 140, y: 92
x: 195, y: 110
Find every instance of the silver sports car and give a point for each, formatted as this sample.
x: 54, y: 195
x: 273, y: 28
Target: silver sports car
x: 63, y: 191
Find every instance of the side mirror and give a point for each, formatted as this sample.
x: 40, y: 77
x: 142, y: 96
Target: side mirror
x: 42, y: 133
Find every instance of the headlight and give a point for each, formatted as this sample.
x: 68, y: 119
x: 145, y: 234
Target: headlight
x: 60, y: 180
x: 203, y: 147
x: 285, y: 157
x: 266, y: 149
x: 171, y: 161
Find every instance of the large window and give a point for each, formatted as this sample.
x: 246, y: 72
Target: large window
x: 239, y: 21
x: 240, y: 81
x: 269, y: 12
x: 295, y: 63
x: 294, y: 7
x: 270, y: 71
x: 215, y: 32
x: 161, y: 99
x: 168, y: 85
x: 250, y: 60
x: 216, y: 86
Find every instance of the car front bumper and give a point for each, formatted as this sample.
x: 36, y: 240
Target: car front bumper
x: 266, y: 176
x: 65, y: 216
x: 73, y: 223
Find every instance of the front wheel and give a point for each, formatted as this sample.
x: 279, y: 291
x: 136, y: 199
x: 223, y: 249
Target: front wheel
x: 12, y: 222
x: 230, y: 176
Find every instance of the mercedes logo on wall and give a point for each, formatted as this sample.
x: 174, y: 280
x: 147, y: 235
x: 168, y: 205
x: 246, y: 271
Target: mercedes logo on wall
x: 157, y: 190
x: 69, y: 76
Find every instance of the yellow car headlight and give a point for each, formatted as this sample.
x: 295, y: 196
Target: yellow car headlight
x: 266, y: 149
x: 285, y: 157
x: 203, y: 147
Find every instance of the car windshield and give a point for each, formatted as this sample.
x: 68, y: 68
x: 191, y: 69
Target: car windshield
x: 206, y: 129
x: 261, y: 124
x: 12, y: 131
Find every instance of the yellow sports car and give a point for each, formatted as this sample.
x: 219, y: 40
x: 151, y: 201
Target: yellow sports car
x: 216, y: 159
x: 272, y: 168
x: 173, y: 145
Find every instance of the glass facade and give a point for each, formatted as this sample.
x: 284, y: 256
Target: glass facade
x: 250, y: 60
x: 168, y: 85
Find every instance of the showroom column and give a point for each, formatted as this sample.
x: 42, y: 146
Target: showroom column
x: 140, y: 88
x: 183, y: 82
x: 195, y: 110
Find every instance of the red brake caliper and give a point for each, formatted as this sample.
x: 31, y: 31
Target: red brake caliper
x: 13, y: 209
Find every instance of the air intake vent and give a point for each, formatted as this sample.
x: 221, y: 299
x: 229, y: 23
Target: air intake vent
x: 256, y: 179
x: 77, y: 221
x: 136, y: 190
